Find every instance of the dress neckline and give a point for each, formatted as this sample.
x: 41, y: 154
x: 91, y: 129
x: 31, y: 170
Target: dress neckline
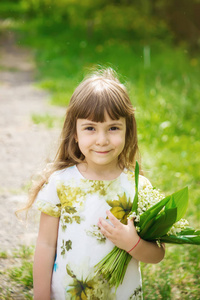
x: 98, y: 180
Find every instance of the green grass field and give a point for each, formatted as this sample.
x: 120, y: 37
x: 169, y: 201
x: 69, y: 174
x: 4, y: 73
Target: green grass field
x: 164, y: 88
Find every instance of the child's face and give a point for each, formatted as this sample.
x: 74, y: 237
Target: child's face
x: 101, y: 143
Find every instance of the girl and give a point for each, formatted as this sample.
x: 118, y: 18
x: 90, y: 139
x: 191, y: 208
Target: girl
x: 91, y: 176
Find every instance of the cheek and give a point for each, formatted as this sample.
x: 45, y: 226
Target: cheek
x: 83, y: 142
x: 120, y: 140
x: 120, y: 143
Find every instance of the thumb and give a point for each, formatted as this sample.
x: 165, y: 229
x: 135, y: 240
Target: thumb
x: 130, y: 223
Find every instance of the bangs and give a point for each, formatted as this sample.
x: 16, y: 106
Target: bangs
x: 95, y: 105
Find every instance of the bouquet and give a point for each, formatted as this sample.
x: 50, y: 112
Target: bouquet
x: 157, y: 218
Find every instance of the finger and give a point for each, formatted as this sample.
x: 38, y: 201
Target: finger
x: 130, y: 222
x: 113, y: 219
x: 131, y: 226
x: 105, y: 226
x: 104, y: 231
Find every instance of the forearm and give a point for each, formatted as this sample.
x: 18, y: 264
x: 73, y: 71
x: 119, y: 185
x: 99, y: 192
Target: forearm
x: 42, y: 270
x: 148, y: 252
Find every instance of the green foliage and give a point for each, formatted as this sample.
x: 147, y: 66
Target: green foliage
x: 11, y: 9
x: 17, y: 279
x: 121, y: 19
x: 3, y: 254
x: 48, y: 120
x: 23, y: 252
x: 23, y: 274
x: 176, y: 277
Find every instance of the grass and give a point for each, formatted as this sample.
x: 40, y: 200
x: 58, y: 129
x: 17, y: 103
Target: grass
x: 179, y: 280
x: 3, y: 254
x: 22, y: 274
x: 17, y: 277
x: 166, y: 95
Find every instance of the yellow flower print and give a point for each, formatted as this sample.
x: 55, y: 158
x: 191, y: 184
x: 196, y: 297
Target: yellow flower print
x: 79, y: 288
x: 49, y: 208
x: 69, y: 195
x: 121, y: 208
x: 70, y: 210
x: 68, y: 216
x: 137, y: 294
x: 100, y: 187
x: 90, y: 288
x: 66, y: 246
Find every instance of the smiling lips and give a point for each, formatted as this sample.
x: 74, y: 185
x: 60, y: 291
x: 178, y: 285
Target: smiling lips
x: 102, y: 152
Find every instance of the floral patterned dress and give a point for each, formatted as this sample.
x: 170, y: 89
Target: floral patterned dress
x: 79, y: 203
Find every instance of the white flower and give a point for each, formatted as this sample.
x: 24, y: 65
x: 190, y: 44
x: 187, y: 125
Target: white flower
x: 137, y: 228
x: 158, y: 243
x: 178, y: 227
x: 134, y: 216
x: 147, y: 198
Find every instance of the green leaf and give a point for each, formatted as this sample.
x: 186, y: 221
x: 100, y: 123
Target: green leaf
x: 135, y: 201
x: 177, y: 200
x: 152, y: 212
x: 144, y: 231
x: 162, y: 223
x: 181, y: 239
x: 189, y: 231
x: 137, y: 174
x: 180, y: 201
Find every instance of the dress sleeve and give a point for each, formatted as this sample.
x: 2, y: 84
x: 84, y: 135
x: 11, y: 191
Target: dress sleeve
x: 47, y: 200
x: 144, y: 182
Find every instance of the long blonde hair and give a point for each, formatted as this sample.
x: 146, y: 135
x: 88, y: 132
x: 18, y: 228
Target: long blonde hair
x: 97, y: 93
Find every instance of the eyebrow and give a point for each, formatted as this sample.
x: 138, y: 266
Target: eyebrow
x: 86, y: 124
x: 115, y: 123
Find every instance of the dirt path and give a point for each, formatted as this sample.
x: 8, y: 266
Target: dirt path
x: 24, y: 147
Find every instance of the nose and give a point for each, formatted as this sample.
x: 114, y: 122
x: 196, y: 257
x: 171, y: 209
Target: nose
x: 102, y: 139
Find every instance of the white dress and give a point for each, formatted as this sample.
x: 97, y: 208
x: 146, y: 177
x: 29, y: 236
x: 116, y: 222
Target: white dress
x: 79, y: 203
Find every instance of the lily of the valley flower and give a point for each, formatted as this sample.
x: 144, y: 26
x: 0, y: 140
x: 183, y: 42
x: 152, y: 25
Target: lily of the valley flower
x: 178, y: 227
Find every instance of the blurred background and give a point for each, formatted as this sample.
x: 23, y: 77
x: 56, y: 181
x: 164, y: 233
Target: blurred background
x: 154, y: 45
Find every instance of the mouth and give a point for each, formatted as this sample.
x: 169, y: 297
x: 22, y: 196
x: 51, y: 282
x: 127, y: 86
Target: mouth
x: 102, y: 152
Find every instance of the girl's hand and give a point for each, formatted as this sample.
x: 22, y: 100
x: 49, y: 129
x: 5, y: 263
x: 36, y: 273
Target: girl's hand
x: 123, y: 236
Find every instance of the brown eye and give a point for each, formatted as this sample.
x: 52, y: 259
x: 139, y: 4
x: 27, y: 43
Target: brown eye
x: 114, y: 128
x: 90, y: 128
